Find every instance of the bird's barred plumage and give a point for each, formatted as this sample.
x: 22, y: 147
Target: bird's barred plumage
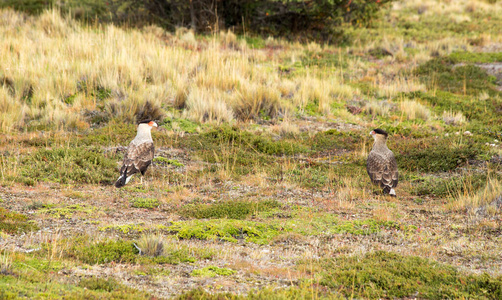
x: 381, y: 164
x: 139, y: 154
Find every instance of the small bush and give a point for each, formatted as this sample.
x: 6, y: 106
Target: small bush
x: 466, y: 79
x: 107, y: 251
x: 444, y: 187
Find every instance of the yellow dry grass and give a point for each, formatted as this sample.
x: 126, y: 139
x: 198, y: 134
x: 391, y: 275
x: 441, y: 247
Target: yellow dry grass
x: 53, y: 71
x: 487, y: 199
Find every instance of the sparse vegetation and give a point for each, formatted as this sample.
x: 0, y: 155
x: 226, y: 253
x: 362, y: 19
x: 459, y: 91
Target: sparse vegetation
x: 12, y: 222
x: 258, y: 189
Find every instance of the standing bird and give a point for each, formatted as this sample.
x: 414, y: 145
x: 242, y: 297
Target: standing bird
x: 139, y: 154
x: 381, y: 164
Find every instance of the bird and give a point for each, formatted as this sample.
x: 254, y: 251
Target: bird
x: 381, y: 164
x: 139, y: 154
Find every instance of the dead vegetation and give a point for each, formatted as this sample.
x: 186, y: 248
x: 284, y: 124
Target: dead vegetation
x: 259, y: 188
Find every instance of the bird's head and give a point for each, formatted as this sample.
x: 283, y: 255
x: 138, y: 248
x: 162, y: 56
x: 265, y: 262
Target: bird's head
x: 378, y: 133
x: 148, y: 124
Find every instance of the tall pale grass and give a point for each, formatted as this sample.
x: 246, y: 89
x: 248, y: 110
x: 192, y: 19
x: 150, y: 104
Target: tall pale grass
x: 56, y: 67
x: 484, y: 199
x: 414, y: 110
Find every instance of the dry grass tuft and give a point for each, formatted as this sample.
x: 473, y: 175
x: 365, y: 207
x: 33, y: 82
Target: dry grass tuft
x: 207, y: 105
x: 452, y: 118
x: 486, y: 201
x: 151, y: 245
x: 377, y: 108
x: 286, y: 128
x: 414, y: 110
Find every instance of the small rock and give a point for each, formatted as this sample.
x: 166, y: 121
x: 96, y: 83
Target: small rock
x: 467, y: 132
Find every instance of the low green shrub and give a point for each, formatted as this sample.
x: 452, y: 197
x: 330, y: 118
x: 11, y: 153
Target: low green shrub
x: 334, y: 139
x: 226, y: 230
x: 213, y: 271
x: 388, y: 275
x: 12, y: 222
x: 433, y: 154
x: 107, y: 251
x: 148, y: 203
x: 238, y: 210
x: 102, y: 284
x: 68, y: 165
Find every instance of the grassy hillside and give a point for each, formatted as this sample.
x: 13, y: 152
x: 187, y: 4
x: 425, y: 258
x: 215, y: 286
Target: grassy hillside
x: 258, y: 188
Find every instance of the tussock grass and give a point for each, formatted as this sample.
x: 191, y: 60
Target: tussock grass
x: 484, y: 201
x: 453, y: 118
x: 151, y: 245
x: 414, y: 110
x: 377, y: 108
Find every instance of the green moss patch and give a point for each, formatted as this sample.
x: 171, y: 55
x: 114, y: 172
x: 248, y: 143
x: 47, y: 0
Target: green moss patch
x: 67, y: 212
x: 229, y: 209
x: 389, y: 275
x: 226, y: 230
x: 476, y: 57
x: 12, y: 222
x: 164, y: 161
x: 308, y: 224
x: 134, y: 229
x: 35, y: 277
x: 212, y: 271
x: 148, y: 203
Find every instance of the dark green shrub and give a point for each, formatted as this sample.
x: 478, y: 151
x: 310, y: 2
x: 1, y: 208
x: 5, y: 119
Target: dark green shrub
x: 435, y: 159
x: 67, y: 165
x: 389, y: 275
x: 317, y: 19
x: 463, y: 79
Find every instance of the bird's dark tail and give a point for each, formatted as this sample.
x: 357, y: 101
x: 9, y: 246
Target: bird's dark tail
x: 388, y: 190
x: 122, y: 180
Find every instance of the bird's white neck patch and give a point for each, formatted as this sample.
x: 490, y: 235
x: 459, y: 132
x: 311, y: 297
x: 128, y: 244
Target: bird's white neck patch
x: 144, y: 134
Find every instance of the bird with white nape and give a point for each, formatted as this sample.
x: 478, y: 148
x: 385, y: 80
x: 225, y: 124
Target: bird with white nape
x: 139, y: 154
x: 381, y: 164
